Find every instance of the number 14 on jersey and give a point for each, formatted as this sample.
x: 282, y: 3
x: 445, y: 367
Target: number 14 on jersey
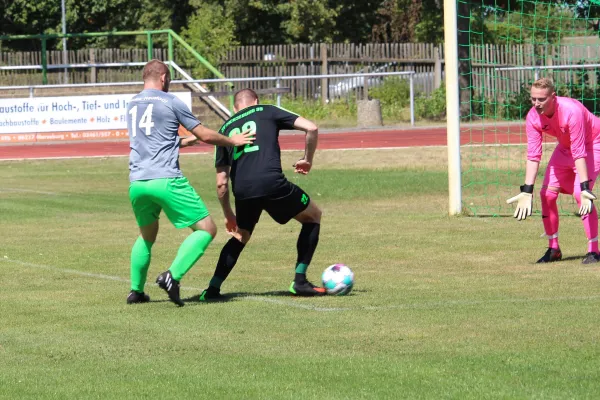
x: 145, y: 122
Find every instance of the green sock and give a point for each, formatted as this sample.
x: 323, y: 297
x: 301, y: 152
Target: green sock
x: 301, y: 268
x: 140, y: 261
x: 189, y: 252
x: 216, y: 282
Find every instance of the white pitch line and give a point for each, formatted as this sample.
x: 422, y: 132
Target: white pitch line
x: 426, y: 305
x: 15, y: 190
x: 119, y: 279
x: 292, y: 304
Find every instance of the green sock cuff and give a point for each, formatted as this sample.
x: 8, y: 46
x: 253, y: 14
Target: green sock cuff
x: 141, y: 242
x: 301, y: 268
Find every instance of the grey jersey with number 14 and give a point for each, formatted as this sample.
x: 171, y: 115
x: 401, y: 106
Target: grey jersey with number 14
x: 153, y: 119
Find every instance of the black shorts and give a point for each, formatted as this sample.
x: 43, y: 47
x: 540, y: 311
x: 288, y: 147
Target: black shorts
x: 282, y: 206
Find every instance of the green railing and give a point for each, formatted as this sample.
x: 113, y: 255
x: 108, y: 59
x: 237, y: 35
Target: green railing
x: 172, y: 36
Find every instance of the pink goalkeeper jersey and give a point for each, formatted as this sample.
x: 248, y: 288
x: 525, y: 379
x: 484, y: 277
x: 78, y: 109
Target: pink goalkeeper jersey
x: 572, y: 124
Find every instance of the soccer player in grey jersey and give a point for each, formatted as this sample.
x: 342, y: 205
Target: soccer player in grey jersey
x: 156, y: 182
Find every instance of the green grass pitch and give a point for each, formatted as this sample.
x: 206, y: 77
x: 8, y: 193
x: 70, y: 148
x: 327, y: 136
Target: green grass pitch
x: 443, y: 307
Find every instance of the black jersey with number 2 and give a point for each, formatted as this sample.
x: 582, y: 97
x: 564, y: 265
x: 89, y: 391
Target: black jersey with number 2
x: 256, y: 167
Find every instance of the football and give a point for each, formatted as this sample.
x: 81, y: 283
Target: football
x: 338, y: 279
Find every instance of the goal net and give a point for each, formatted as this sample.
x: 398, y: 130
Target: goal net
x: 503, y: 46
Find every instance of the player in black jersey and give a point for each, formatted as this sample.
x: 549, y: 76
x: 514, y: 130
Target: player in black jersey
x: 259, y: 184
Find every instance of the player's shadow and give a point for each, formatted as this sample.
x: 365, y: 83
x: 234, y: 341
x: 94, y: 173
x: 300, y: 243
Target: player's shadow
x: 278, y: 293
x: 196, y: 299
x: 233, y: 296
x: 571, y: 258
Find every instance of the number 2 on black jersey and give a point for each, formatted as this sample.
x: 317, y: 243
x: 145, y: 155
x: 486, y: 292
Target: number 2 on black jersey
x: 247, y: 148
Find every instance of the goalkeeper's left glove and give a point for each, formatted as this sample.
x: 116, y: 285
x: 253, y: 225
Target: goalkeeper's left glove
x: 587, y: 199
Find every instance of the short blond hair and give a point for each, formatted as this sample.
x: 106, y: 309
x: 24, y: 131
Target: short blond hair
x: 544, y: 83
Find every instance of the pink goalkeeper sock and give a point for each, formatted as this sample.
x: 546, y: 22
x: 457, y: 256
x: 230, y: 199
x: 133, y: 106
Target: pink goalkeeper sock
x: 550, y: 216
x: 590, y: 224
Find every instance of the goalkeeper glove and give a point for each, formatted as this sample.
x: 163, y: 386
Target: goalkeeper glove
x: 587, y: 199
x: 524, y: 202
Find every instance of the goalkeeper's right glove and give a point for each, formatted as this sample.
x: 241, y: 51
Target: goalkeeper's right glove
x: 524, y: 202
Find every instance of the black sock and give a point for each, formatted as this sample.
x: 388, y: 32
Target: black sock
x: 227, y: 260
x: 306, y: 246
x: 300, y: 278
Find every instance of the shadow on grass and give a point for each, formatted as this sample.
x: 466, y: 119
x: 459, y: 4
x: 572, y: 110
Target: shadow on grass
x: 571, y: 258
x: 226, y: 297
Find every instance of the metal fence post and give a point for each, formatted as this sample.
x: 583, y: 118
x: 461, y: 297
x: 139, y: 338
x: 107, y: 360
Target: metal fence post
x: 44, y: 63
x: 277, y: 85
x: 412, y: 100
x: 324, y: 70
x: 171, y: 57
x: 366, y: 86
x: 150, y: 46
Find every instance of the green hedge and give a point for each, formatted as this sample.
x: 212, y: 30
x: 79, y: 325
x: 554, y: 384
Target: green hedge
x: 393, y: 94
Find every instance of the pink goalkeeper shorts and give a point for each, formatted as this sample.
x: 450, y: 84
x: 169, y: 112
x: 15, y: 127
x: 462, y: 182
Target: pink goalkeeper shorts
x: 561, y: 171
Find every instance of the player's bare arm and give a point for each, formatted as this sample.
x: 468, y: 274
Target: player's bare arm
x: 223, y: 195
x: 304, y: 165
x: 188, y: 141
x: 211, y: 137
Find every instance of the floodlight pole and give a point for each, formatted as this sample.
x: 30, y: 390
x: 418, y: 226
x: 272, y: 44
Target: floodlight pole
x: 452, y: 106
x: 64, y: 40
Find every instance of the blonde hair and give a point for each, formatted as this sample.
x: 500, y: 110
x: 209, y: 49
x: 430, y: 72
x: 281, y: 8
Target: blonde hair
x: 544, y: 83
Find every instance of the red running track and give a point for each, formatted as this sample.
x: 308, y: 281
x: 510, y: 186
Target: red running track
x: 339, y: 140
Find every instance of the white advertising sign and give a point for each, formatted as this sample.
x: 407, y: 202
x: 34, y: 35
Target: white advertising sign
x: 67, y: 118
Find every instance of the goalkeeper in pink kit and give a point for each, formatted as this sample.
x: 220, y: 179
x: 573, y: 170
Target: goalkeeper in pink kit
x: 572, y: 169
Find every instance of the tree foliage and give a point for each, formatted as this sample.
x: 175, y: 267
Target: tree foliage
x: 210, y: 32
x: 295, y: 21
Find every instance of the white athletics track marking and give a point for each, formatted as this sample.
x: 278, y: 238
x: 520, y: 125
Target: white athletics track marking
x: 266, y: 299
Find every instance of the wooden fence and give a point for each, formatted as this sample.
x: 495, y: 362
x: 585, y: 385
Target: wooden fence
x: 315, y: 59
x: 425, y: 59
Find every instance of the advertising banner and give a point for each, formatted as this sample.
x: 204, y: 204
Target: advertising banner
x: 44, y: 119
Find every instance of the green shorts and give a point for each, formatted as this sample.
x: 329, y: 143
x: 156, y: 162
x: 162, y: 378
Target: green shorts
x: 176, y: 196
